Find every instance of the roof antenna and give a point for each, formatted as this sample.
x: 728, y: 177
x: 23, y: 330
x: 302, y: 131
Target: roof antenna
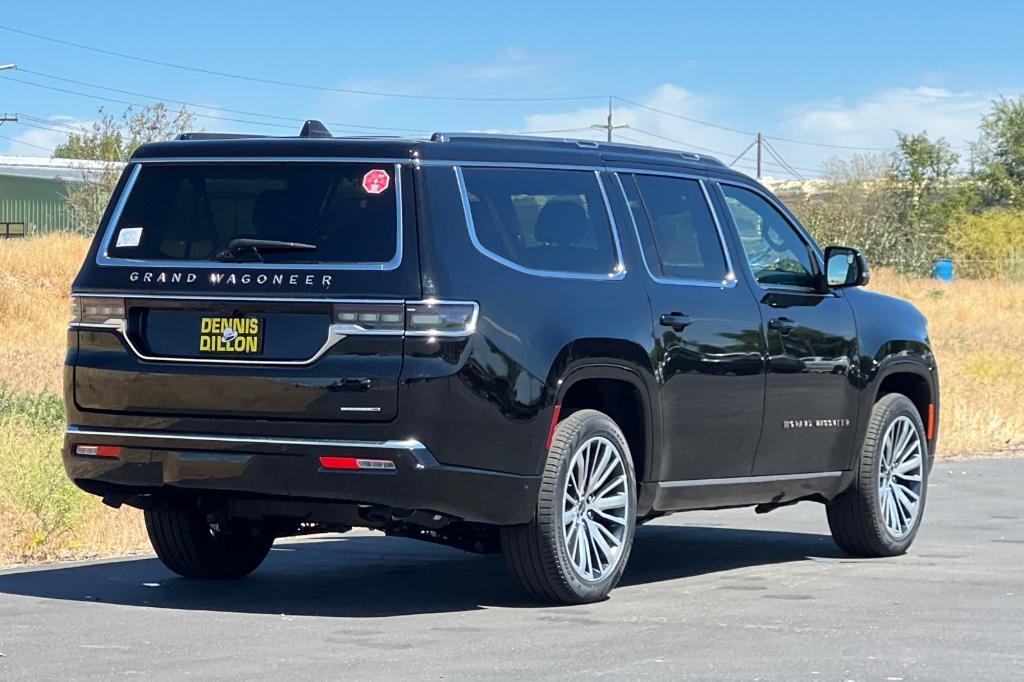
x: 314, y: 128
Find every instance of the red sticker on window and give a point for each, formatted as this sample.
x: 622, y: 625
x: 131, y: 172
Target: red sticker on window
x: 376, y: 181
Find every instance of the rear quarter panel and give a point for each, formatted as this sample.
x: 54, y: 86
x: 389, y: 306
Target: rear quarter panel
x: 533, y: 331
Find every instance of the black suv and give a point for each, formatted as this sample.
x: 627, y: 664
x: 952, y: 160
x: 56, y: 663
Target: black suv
x: 508, y: 344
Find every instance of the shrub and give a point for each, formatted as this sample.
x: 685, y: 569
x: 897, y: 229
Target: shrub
x: 989, y: 243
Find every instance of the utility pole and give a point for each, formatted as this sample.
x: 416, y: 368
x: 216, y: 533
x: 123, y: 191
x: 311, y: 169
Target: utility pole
x: 608, y: 126
x: 7, y: 118
x: 760, y: 144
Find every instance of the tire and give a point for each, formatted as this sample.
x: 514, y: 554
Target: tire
x: 187, y: 544
x: 866, y: 520
x: 538, y: 554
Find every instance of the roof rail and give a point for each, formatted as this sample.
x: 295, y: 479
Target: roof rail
x: 216, y: 136
x: 311, y: 128
x: 498, y: 138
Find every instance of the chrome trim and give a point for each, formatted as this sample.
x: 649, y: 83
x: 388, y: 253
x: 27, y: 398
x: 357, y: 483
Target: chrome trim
x: 359, y: 409
x: 618, y: 272
x: 335, y: 333
x: 790, y: 219
x: 259, y: 299
x: 685, y: 172
x: 731, y: 274
x: 105, y: 260
x: 468, y: 163
x: 740, y: 480
x: 115, y: 216
x: 272, y: 159
x: 728, y: 282
x: 410, y: 444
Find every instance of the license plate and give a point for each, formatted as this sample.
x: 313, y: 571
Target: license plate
x: 231, y: 335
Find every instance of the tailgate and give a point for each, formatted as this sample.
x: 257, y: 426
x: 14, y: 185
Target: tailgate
x: 267, y: 289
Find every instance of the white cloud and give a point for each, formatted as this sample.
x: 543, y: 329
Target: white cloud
x: 871, y: 121
x: 649, y: 127
x: 33, y: 137
x: 867, y: 122
x: 510, y: 63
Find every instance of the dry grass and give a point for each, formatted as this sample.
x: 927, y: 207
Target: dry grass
x: 35, y: 277
x: 977, y: 328
x: 42, y: 515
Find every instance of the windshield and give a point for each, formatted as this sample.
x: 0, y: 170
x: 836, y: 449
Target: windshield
x: 342, y: 212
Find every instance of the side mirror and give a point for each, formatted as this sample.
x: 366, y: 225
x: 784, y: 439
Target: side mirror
x: 845, y: 267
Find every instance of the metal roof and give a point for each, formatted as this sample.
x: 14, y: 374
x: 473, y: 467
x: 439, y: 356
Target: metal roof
x: 66, y: 170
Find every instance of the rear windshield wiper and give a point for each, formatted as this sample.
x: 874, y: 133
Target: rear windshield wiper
x: 239, y: 248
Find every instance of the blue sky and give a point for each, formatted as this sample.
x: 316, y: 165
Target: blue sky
x: 814, y: 72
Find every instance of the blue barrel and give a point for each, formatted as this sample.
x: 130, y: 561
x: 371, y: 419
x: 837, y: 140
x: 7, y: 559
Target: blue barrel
x: 943, y: 270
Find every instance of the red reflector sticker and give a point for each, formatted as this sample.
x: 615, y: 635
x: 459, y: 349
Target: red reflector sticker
x: 98, y: 450
x: 376, y: 181
x: 356, y: 463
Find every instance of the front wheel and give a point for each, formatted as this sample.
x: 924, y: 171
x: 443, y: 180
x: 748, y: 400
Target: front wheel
x: 188, y: 544
x: 879, y: 515
x: 575, y: 549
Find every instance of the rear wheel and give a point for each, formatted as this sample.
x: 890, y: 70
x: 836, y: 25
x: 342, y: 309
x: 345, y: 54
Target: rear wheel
x: 575, y: 549
x: 881, y: 512
x: 191, y: 546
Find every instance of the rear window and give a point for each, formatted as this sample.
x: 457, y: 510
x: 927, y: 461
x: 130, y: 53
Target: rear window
x: 547, y: 220
x: 340, y: 213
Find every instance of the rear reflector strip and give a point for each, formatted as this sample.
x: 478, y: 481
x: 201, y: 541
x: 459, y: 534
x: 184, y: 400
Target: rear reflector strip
x: 931, y: 421
x: 98, y: 450
x: 554, y: 423
x: 357, y: 463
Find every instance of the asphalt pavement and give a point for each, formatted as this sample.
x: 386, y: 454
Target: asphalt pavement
x: 707, y: 595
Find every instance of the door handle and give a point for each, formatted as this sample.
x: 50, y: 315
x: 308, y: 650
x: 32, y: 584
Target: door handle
x: 783, y: 325
x: 678, y: 321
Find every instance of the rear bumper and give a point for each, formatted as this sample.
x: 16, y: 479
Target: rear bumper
x: 151, y: 462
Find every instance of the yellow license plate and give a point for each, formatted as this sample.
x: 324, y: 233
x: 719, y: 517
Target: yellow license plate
x: 231, y: 335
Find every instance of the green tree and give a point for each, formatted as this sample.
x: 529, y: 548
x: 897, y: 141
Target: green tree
x: 113, y: 140
x: 926, y: 191
x: 852, y: 207
x: 999, y: 154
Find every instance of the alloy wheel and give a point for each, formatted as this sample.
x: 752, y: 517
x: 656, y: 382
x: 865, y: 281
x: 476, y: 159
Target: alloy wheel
x: 596, y: 507
x: 900, y: 476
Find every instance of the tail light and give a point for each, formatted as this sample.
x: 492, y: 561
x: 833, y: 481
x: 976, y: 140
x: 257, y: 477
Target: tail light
x: 415, y: 318
x: 380, y: 318
x: 93, y: 310
x: 440, y: 318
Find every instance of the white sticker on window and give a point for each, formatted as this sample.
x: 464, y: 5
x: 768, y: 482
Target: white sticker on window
x: 128, y: 237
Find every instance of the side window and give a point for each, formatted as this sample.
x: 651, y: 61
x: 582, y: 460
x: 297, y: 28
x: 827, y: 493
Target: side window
x: 776, y: 253
x: 551, y: 220
x: 682, y: 228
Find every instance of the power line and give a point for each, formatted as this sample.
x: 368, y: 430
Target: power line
x: 679, y: 116
x: 302, y: 86
x: 778, y: 157
x: 27, y: 144
x: 720, y: 152
x: 679, y: 142
x: 212, y: 107
x: 830, y: 146
x: 442, y: 98
x: 137, y: 104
